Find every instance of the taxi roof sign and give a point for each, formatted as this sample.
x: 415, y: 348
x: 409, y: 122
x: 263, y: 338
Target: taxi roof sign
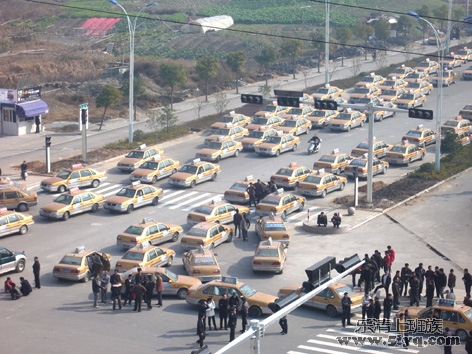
x: 293, y: 164
x: 147, y: 219
x: 249, y: 178
x: 195, y: 161
x: 420, y: 126
x: 142, y: 146
x: 144, y: 244
x: 76, y: 166
x: 229, y: 125
x: 447, y: 302
x: 79, y: 249
x: 270, y: 241
x: 372, y: 74
x: 3, y: 210
x: 267, y: 114
x: 232, y: 112
x: 280, y: 191
x: 136, y: 183
x: 320, y: 171
x: 230, y: 280
x: 73, y: 190
x: 335, y: 151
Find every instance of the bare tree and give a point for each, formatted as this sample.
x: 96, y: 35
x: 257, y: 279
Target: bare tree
x: 333, y: 67
x: 355, y: 69
x: 265, y: 90
x: 305, y: 74
x: 198, y: 104
x: 153, y: 123
x: 408, y: 48
x: 381, y: 60
x: 221, y: 102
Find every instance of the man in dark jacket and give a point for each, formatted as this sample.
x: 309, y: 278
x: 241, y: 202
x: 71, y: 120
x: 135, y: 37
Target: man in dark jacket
x: 223, y: 306
x: 405, y: 277
x: 232, y: 322
x: 233, y: 301
x: 244, y: 225
x: 467, y: 278
x: 370, y: 309
x: 259, y: 191
x: 377, y: 308
x: 322, y: 219
x: 414, y: 291
x: 201, y: 330
x: 149, y: 291
x: 387, y: 305
x: 366, y: 276
x: 441, y: 283
x: 96, y: 289
x: 396, y: 293
x: 251, y: 190
x: 139, y: 291
x: 25, y: 287
x: 127, y: 294
x: 236, y: 222
x: 451, y: 281
x: 346, y: 303
x: 115, y: 281
x: 420, y: 272
x: 386, y: 281
x: 429, y: 292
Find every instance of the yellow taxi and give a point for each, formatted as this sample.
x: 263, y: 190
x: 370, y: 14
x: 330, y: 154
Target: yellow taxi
x: 416, y: 76
x: 466, y: 112
x: 411, y: 100
x: 207, y: 235
x: 148, y: 230
x: 267, y: 119
x: 137, y: 157
x: 256, y: 137
x: 217, y: 212
x: 72, y: 202
x: 452, y: 61
x: 6, y: 182
x: 270, y: 256
x: 393, y: 83
x: 12, y: 222
x: 12, y: 197
x: 372, y: 91
x: 220, y: 149
x: 291, y: 176
x: 345, y: 121
x: 424, y: 87
x: 449, y: 77
x: 432, y: 40
x: 381, y: 114
x: 229, y: 132
x: 464, y: 138
x: 300, y: 112
x: 420, y: 136
x: 236, y: 119
x: 400, y: 72
x: 295, y: 125
x: 81, y: 264
x: 258, y: 302
x: 334, y: 162
x: 273, y: 227
x: 361, y: 164
x: 467, y: 74
x: 392, y: 95
x: 327, y: 92
x: 145, y: 255
x: 456, y: 126
x: 195, y: 172
x: 277, y: 144
x: 306, y: 98
x: 320, y: 118
x: 369, y: 81
x: 131, y: 197
x: 237, y: 193
x: 380, y: 149
x: 275, y: 109
x: 280, y: 203
x: 77, y: 176
x: 174, y: 284
x: 428, y: 66
x: 465, y: 54
x: 202, y: 264
x: 456, y: 317
x: 404, y: 154
x: 328, y: 300
x: 321, y: 183
x: 152, y: 171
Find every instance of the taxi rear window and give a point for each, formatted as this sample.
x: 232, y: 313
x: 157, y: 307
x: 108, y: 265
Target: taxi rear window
x: 313, y: 179
x: 136, y: 154
x: 70, y: 260
x: 290, y: 123
x: 361, y: 163
x: 238, y: 187
x: 267, y: 253
x: 204, y: 210
x: 255, y: 134
x: 63, y: 174
x: 344, y: 289
x: 215, y: 145
x: 363, y: 146
x: 285, y: 172
x: 134, y: 230
x: 398, y: 149
x: 413, y: 133
x: 271, y: 200
x: 326, y: 158
x: 149, y: 165
x: 275, y: 227
x: 134, y: 256
x: 204, y: 261
x: 198, y: 232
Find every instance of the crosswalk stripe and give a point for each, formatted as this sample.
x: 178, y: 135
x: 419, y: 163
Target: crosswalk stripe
x: 167, y: 195
x: 337, y: 345
x: 320, y: 350
x: 176, y: 199
x: 190, y: 200
x: 203, y: 202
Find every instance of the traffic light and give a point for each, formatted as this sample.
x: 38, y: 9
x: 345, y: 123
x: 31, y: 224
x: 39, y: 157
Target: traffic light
x: 48, y: 141
x: 420, y: 113
x: 326, y: 104
x: 347, y: 263
x: 254, y: 99
x: 288, y: 101
x: 319, y: 272
x: 355, y: 171
x: 84, y: 116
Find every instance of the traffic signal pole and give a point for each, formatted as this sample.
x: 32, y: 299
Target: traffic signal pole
x: 48, y: 153
x: 370, y: 160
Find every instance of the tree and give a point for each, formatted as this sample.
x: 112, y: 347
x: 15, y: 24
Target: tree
x: 207, y: 68
x: 172, y: 74
x: 235, y: 61
x: 451, y: 144
x: 138, y: 89
x: 291, y: 48
x: 425, y: 12
x: 318, y: 43
x: 441, y: 13
x: 109, y: 96
x: 362, y: 30
x: 167, y: 119
x: 405, y: 24
x: 221, y: 102
x: 344, y: 36
x: 269, y: 55
x: 382, y: 29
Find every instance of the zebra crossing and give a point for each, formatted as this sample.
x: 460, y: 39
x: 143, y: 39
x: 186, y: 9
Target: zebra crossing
x: 188, y: 200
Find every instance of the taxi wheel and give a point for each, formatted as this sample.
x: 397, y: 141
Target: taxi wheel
x: 154, y: 180
x: 20, y: 266
x: 95, y: 183
x: 192, y: 184
x: 341, y: 187
x: 295, y: 146
x: 218, y: 158
x: 155, y: 200
x: 213, y: 177
x: 230, y: 237
x: 323, y: 194
x: 284, y: 215
x: 348, y: 128
x: 174, y: 171
x: 130, y: 209
x: 422, y: 157
x: 217, y: 221
x: 362, y: 123
x: 302, y: 205
x: 61, y: 189
x: 236, y: 153
x: 409, y: 161
x: 331, y: 311
x: 182, y: 293
x: 212, y: 246
x: 255, y: 311
x: 87, y: 277
x: 22, y: 207
x: 23, y: 229
x: 337, y: 172
x: 384, y: 171
x: 461, y: 334
x: 169, y: 261
x: 381, y: 118
x: 277, y: 153
x: 66, y: 216
x: 94, y: 208
x: 175, y: 236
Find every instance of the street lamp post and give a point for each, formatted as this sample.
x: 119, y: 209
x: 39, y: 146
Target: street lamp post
x: 440, y: 88
x: 132, y: 30
x: 327, y: 44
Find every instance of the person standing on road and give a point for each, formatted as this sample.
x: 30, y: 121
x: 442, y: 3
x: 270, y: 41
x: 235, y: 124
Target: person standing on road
x: 149, y: 291
x: 139, y: 290
x: 36, y: 270
x: 259, y: 191
x: 370, y: 311
x: 468, y: 343
x: 429, y: 292
x: 377, y: 308
x: 386, y: 281
x: 201, y: 330
x: 244, y: 226
x: 127, y: 294
x: 232, y: 322
x: 223, y: 306
x: 442, y: 283
x: 447, y: 345
x: 406, y: 274
x: 365, y: 302
x: 115, y: 281
x: 244, y: 310
x: 387, y: 305
x: 159, y: 289
x: 346, y: 303
x: 419, y: 271
x: 387, y: 262
x: 284, y: 325
x: 237, y: 222
x: 24, y: 168
x: 96, y: 289
x: 392, y: 254
x: 451, y: 281
x: 251, y: 190
x: 210, y: 313
x: 396, y: 292
x: 272, y: 187
x: 414, y: 291
x: 104, y: 281
x: 467, y: 278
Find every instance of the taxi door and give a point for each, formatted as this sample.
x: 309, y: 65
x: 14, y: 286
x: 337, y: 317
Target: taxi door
x: 7, y: 259
x: 161, y: 256
x: 164, y: 233
x: 87, y: 202
x: 147, y: 194
x: 322, y: 299
x: 329, y: 183
x: 76, y: 205
x: 166, y: 168
x: 11, y: 200
x: 14, y: 224
x: 227, y: 149
x: 73, y: 180
x: 217, y: 235
x: 292, y: 203
x: 170, y: 288
x: 85, y: 178
x: 152, y: 233
x: 4, y: 225
x: 225, y: 213
x: 208, y: 172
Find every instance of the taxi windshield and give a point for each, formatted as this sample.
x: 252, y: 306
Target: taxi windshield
x: 462, y: 52
x: 134, y: 230
x: 344, y: 289
x: 413, y: 75
x: 284, y: 172
x: 267, y: 252
x: 64, y: 174
x: 313, y: 179
x: 238, y: 187
x: 390, y: 83
x: 414, y: 133
x: 423, y: 64
x: 446, y: 74
x: 204, y: 210
x: 450, y: 123
x: 255, y: 134
x: 64, y: 199
x: 171, y: 275
x: 468, y: 313
x: 204, y: 261
x: 222, y: 131
x: 318, y: 114
x: 344, y: 116
x: 368, y: 79
x: 408, y: 96
x: 226, y: 119
x: 414, y: 85
x: 289, y: 123
x: 274, y: 140
x: 467, y: 107
x: 275, y: 227
x: 362, y: 90
x: 149, y: 165
x: 260, y: 120
x: 322, y: 90
x: 296, y: 111
x: 247, y: 290
x: 363, y: 146
x: 71, y: 260
x: 214, y: 145
x: 135, y: 154
x: 271, y: 200
x: 399, y: 70
x: 389, y: 93
x: 327, y: 158
x: 358, y: 162
x: 126, y: 192
x: 400, y: 149
x: 270, y: 108
x: 133, y: 256
x: 197, y: 232
x: 191, y: 169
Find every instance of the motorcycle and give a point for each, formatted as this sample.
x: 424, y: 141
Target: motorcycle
x: 311, y: 147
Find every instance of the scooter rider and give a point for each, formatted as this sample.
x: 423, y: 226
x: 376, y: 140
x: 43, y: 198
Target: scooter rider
x: 315, y: 140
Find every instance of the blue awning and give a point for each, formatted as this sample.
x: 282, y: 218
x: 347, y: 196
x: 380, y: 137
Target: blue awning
x: 31, y: 108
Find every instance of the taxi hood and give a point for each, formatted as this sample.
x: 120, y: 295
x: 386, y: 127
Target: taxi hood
x: 266, y: 145
x: 339, y: 122
x: 250, y: 140
x: 254, y: 126
x: 261, y: 298
x: 206, y: 151
x: 52, y: 180
x: 285, y: 129
x: 129, y: 161
x: 290, y: 288
x: 117, y: 199
x: 181, y: 176
x: 54, y: 206
x: 140, y: 172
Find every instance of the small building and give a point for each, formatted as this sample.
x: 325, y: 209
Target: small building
x: 21, y: 111
x: 208, y: 24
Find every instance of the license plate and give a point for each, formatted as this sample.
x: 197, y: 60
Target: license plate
x: 65, y: 270
x: 266, y: 263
